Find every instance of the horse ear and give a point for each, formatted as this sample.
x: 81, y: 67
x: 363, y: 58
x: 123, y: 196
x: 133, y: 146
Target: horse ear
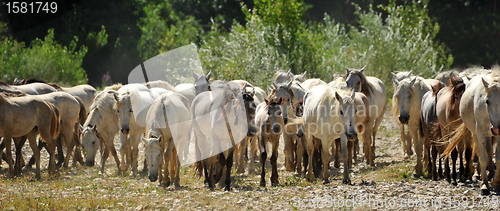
x: 208, y: 75
x: 395, y: 81
x: 275, y: 85
x: 289, y: 72
x: 195, y: 76
x: 116, y: 96
x: 269, y: 89
x: 304, y: 74
x: 267, y: 101
x: 486, y: 84
x: 394, y: 76
x: 144, y: 140
x: 339, y: 98
x: 81, y: 127
x: 362, y: 69
x: 413, y: 81
x: 409, y: 73
x: 289, y: 84
x: 347, y: 70
x: 253, y: 91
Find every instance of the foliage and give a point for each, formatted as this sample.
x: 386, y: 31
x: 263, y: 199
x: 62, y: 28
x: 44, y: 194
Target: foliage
x: 164, y: 29
x: 244, y: 53
x: 44, y: 59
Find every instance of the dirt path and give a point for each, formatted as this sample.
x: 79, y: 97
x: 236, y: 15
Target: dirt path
x: 388, y: 185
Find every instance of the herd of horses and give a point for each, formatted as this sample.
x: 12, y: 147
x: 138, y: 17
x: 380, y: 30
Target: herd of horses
x: 455, y: 114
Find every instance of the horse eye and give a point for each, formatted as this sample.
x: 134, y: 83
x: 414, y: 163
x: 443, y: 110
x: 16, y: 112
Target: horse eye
x: 341, y: 113
x: 487, y: 102
x: 93, y: 142
x: 118, y: 111
x: 130, y: 110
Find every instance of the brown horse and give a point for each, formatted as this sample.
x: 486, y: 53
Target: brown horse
x: 20, y: 116
x: 447, y: 111
x: 270, y: 124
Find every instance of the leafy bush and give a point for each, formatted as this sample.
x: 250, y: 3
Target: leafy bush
x: 45, y: 60
x: 244, y: 53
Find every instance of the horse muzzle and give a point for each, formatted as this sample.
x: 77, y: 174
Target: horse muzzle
x: 251, y: 131
x: 351, y: 136
x: 300, y: 133
x: 153, y: 178
x: 125, y: 130
x: 404, y: 119
x: 285, y: 119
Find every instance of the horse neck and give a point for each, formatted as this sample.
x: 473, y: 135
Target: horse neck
x: 366, y: 86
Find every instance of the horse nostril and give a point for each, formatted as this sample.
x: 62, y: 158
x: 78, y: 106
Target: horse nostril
x: 285, y: 120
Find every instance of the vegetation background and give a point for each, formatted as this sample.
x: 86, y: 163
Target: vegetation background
x: 102, y: 41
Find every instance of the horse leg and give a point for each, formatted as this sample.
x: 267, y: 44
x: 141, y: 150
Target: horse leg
x: 310, y: 152
x: 166, y: 157
x: 496, y: 180
x: 104, y: 158
x: 111, y: 146
x: 434, y: 153
x: 263, y: 158
x: 60, y: 153
x: 229, y: 164
x: 468, y: 161
x: 40, y: 146
x: 350, y: 148
x: 19, y: 143
x: 288, y: 141
x: 403, y: 140
x: 274, y: 164
x: 36, y: 153
x: 240, y: 155
x: 123, y: 152
x: 427, y: 155
x: 336, y: 164
x: 8, y: 153
x: 491, y: 166
x: 343, y: 145
x: 325, y: 156
x: 355, y: 151
x: 454, y: 156
x: 484, y: 143
x: 253, y: 150
x: 370, y: 145
x: 418, y: 144
x: 300, y: 155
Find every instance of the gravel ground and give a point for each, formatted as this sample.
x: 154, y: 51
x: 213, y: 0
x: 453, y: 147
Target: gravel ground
x: 387, y: 185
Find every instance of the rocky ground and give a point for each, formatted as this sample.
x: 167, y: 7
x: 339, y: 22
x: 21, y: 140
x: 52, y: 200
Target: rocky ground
x: 388, y: 185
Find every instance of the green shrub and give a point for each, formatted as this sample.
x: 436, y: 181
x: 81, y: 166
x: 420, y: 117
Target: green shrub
x: 45, y: 60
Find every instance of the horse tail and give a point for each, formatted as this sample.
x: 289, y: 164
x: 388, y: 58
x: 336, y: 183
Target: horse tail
x: 54, y: 121
x: 83, y: 111
x: 455, y: 138
x: 198, y: 165
x: 435, y: 133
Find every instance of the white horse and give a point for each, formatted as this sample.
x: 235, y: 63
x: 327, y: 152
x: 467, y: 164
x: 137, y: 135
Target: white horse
x: 406, y: 107
x: 480, y: 113
x: 219, y: 123
x: 100, y: 128
x: 168, y: 125
x: 374, y: 89
x: 328, y: 114
x: 133, y: 102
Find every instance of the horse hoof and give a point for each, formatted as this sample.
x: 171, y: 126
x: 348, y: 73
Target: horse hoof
x: 485, y: 192
x: 227, y: 188
x: 454, y: 183
x: 262, y: 183
x: 346, y: 181
x: 326, y: 182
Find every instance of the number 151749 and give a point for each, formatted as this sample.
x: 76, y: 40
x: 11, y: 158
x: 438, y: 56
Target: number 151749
x: 31, y: 7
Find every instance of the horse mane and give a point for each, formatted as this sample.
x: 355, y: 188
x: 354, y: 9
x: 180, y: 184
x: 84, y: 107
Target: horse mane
x: 114, y: 87
x: 103, y: 103
x: 35, y: 80
x: 404, y: 84
x: 436, y: 88
x: 282, y: 86
x: 366, y: 87
x: 457, y: 87
x: 281, y: 74
x: 298, y: 102
x: 3, y: 83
